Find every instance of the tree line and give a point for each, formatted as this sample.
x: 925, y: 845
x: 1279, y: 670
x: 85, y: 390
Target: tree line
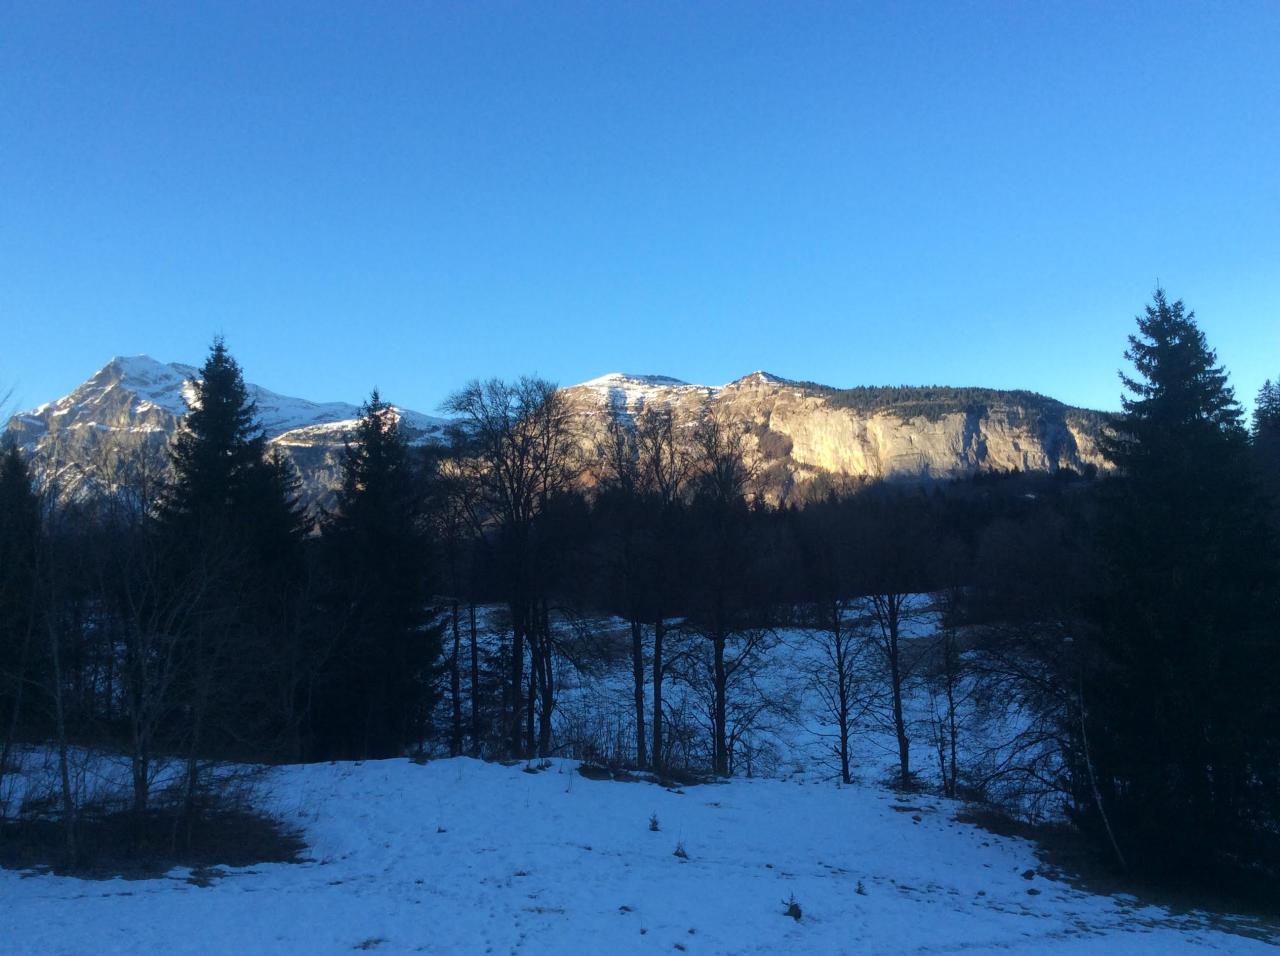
x: 1126, y: 628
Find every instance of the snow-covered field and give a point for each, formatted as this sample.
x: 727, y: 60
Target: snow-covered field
x: 458, y: 856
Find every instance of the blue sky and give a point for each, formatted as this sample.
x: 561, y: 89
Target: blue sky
x: 412, y: 195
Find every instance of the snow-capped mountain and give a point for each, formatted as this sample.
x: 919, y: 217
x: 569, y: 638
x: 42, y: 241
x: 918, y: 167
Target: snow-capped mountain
x: 138, y: 393
x: 132, y: 404
x: 805, y: 436
x: 627, y: 389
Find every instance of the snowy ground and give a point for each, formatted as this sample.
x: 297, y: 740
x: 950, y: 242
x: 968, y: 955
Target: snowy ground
x: 459, y: 856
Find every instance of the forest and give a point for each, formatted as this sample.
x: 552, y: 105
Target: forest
x: 1100, y: 649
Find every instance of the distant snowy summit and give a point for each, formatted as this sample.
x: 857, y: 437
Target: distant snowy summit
x: 760, y: 377
x: 628, y: 381
x: 629, y: 391
x: 625, y: 380
x: 139, y: 393
x: 136, y: 400
x: 624, y: 391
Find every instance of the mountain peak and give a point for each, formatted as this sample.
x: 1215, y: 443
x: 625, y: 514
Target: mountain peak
x: 142, y: 369
x: 146, y: 380
x: 134, y: 364
x: 761, y: 377
x: 624, y: 379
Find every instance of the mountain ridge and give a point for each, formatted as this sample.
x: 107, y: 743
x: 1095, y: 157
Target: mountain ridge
x: 804, y: 433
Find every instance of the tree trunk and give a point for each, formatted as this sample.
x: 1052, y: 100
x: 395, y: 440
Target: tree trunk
x: 892, y: 606
x: 1093, y: 782
x: 70, y: 844
x: 637, y: 677
x: 953, y: 777
x: 720, y: 720
x: 475, y: 685
x: 515, y: 740
x: 140, y: 766
x: 656, y: 754
x: 546, y: 682
x: 530, y: 741
x: 546, y: 708
x: 899, y: 722
x: 842, y: 695
x: 455, y: 686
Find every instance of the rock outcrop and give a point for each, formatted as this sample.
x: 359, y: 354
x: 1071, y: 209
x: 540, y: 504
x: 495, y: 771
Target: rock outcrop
x: 802, y: 432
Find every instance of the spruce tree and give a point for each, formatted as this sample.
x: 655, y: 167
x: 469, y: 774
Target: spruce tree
x: 380, y: 682
x: 19, y: 545
x: 1179, y: 690
x: 234, y: 511
x: 217, y: 452
x: 1266, y: 438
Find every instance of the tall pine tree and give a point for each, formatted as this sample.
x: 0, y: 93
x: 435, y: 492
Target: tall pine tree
x: 379, y: 684
x: 20, y: 643
x: 235, y: 510
x: 1266, y: 438
x: 1179, y: 693
x: 217, y: 451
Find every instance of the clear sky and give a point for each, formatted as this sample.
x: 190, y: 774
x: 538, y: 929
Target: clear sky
x: 412, y: 195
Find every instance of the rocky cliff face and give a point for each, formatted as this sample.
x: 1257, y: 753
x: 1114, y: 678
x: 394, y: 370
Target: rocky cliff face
x: 809, y: 437
x: 806, y: 437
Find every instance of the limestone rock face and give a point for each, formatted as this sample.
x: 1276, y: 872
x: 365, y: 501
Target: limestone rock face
x: 801, y: 431
x: 804, y: 437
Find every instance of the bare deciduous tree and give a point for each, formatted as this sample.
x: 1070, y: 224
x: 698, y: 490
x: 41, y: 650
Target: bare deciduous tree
x: 517, y: 444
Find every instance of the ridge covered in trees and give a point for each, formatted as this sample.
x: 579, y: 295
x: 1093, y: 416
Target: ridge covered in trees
x: 931, y: 402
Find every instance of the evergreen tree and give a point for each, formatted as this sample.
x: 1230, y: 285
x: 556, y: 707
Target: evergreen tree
x: 19, y: 547
x: 281, y: 657
x: 234, y: 510
x: 218, y: 451
x: 1180, y: 688
x: 1266, y: 411
x: 1266, y: 437
x: 379, y: 685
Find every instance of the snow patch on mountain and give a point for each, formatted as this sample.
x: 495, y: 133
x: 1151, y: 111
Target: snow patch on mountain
x: 417, y: 428
x: 628, y: 392
x: 622, y: 379
x: 760, y: 377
